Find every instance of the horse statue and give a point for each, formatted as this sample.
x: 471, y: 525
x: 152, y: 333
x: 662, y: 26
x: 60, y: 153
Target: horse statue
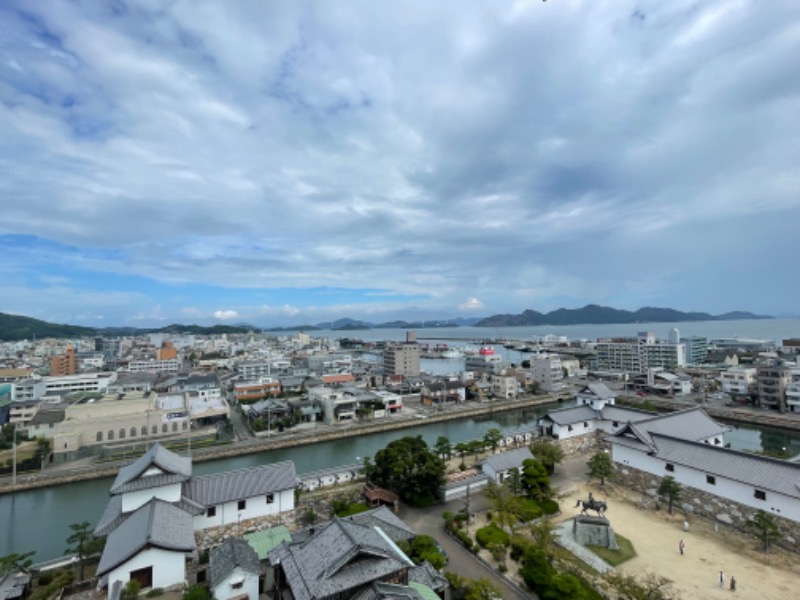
x: 598, y: 506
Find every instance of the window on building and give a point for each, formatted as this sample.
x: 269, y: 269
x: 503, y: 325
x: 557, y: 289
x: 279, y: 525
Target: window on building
x: 154, y: 429
x: 569, y: 427
x: 242, y: 504
x: 185, y: 425
x: 121, y: 434
x: 99, y: 436
x: 237, y: 585
x: 211, y: 511
x: 144, y: 429
x: 669, y: 467
x: 270, y: 498
x: 164, y: 428
x: 717, y: 441
x: 760, y: 495
x: 615, y: 423
x: 174, y: 426
x: 711, y: 479
x: 585, y: 424
x: 133, y: 431
x: 110, y: 434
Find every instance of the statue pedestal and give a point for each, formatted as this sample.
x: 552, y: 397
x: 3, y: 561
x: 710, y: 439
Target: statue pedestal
x: 594, y: 531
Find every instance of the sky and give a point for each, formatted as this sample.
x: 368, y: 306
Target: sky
x: 287, y: 162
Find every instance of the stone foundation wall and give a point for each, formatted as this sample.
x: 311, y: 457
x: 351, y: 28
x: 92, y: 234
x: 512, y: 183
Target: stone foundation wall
x: 214, y: 536
x: 700, y: 503
x: 582, y: 444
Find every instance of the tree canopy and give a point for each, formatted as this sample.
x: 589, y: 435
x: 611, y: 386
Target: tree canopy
x: 766, y: 528
x: 601, y: 467
x: 535, y: 480
x: 671, y: 490
x: 547, y: 453
x: 410, y: 469
x: 492, y: 438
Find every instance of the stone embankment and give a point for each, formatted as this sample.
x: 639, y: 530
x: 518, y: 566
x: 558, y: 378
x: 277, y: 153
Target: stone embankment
x: 64, y: 475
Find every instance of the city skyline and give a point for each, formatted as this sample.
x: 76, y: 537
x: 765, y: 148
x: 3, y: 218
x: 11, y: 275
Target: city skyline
x: 284, y: 163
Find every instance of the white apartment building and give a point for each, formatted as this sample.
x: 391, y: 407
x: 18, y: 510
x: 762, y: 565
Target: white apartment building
x: 82, y: 382
x: 252, y: 371
x: 639, y: 354
x: 30, y: 388
x: 402, y: 359
x: 793, y: 391
x: 737, y: 380
x: 505, y: 386
x: 548, y: 371
x: 156, y: 366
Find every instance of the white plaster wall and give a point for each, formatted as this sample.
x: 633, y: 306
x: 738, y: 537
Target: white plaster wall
x: 776, y: 503
x: 563, y: 432
x: 169, y: 568
x: 256, y: 507
x: 225, y: 589
x: 133, y: 500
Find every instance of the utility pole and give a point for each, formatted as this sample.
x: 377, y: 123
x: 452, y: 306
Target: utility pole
x: 14, y: 459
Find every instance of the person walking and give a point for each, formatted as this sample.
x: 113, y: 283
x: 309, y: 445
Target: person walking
x: 681, y: 546
x: 721, y: 579
x: 733, y: 583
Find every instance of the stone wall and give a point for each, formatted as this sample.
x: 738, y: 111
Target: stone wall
x: 213, y: 536
x: 582, y: 444
x: 700, y: 503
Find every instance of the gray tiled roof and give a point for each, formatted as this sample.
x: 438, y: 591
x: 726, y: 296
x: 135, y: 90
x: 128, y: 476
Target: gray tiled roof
x: 425, y: 574
x: 599, y: 389
x: 158, y: 524
x: 691, y: 424
x: 509, y: 459
x: 339, y: 557
x: 390, y: 523
x: 112, y: 516
x: 388, y: 591
x: 623, y: 414
x: 232, y: 553
x: 568, y: 416
x: 175, y: 470
x: 212, y: 490
x: 769, y: 474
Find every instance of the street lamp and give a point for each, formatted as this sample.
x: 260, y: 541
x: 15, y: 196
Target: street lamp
x: 14, y: 459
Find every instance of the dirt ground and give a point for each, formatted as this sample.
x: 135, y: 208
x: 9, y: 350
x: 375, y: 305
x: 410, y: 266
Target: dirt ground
x: 695, y: 575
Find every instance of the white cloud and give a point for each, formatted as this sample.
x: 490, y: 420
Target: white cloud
x: 225, y: 315
x: 471, y: 304
x: 263, y: 146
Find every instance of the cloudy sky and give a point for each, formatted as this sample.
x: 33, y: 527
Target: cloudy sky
x: 288, y: 162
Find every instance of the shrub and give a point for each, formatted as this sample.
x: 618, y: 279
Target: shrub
x: 527, y: 509
x: 550, y: 507
x: 519, y: 545
x: 196, y: 592
x: 131, y: 590
x: 488, y: 515
x: 45, y: 579
x: 492, y: 534
x: 351, y: 509
x: 155, y: 592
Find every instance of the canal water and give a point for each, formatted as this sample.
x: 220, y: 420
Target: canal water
x: 39, y: 519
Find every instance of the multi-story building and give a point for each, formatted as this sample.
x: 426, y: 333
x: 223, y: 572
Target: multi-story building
x: 167, y: 351
x: 505, y: 386
x: 484, y: 360
x: 696, y: 349
x: 250, y: 391
x: 737, y: 381
x: 547, y: 371
x: 250, y: 371
x: 402, y: 358
x: 156, y: 366
x: 83, y: 382
x: 636, y: 355
x: 64, y: 364
x: 773, y: 379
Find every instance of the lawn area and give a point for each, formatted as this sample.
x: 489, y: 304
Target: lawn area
x: 25, y: 450
x: 615, y: 557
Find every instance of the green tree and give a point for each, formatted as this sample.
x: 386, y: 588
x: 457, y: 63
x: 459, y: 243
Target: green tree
x: 766, y: 529
x: 503, y: 506
x: 196, y: 592
x: 646, y: 586
x: 535, y: 480
x: 481, y: 589
x: 671, y: 490
x: 422, y: 548
x: 409, y: 468
x: 601, y: 467
x: 491, y: 438
x: 462, y: 449
x: 476, y: 447
x: 16, y: 563
x: 548, y: 453
x: 514, y: 481
x: 443, y: 447
x: 564, y: 585
x: 83, y: 544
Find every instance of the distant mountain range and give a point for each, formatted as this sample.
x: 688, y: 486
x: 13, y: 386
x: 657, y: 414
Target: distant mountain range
x: 15, y: 327
x: 592, y: 314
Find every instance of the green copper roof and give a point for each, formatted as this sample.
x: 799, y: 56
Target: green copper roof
x: 426, y: 592
x: 264, y: 541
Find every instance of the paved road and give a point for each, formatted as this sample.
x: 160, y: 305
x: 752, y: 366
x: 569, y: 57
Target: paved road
x: 462, y: 562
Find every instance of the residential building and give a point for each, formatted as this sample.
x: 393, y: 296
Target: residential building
x: 337, y: 406
x: 83, y: 382
x: 235, y: 570
x: 64, y: 364
x: 402, y: 358
x: 497, y: 466
x: 738, y: 381
x: 251, y: 391
x: 253, y: 371
x: 167, y: 351
x: 696, y: 349
x: 505, y: 386
x: 485, y: 360
x: 548, y: 371
x: 772, y: 380
x: 636, y: 355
